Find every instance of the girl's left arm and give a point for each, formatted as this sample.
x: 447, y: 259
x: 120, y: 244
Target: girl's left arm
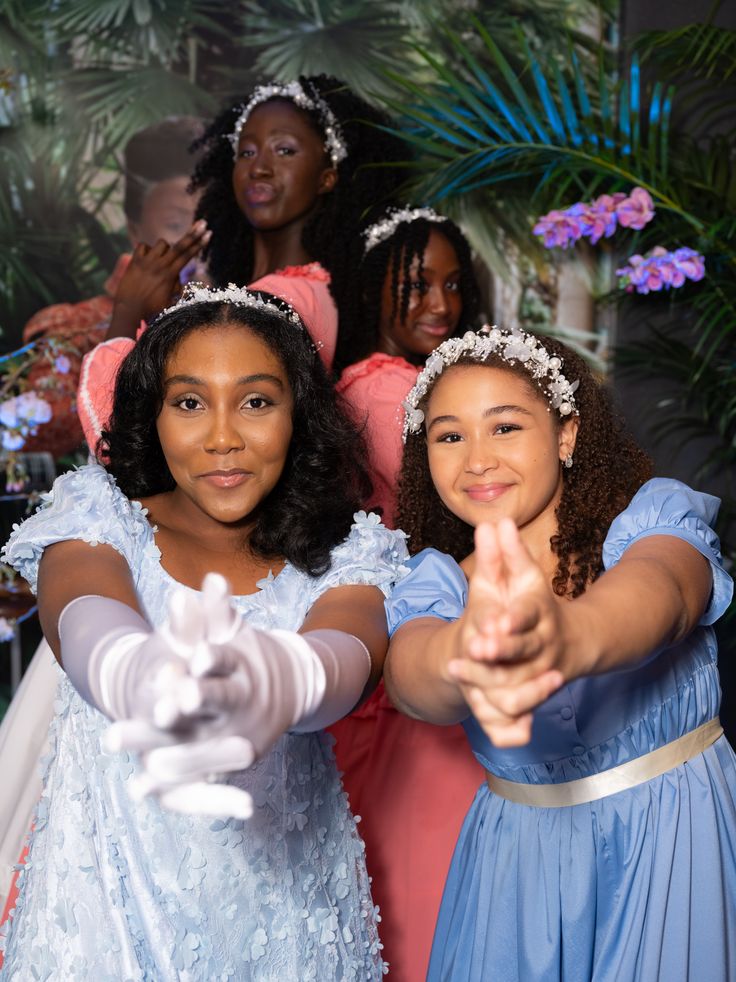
x: 652, y: 598
x: 358, y: 611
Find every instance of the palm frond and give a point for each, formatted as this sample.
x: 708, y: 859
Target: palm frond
x: 701, y: 50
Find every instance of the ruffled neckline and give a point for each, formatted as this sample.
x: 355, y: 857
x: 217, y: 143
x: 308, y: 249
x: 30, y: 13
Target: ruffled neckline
x: 310, y: 271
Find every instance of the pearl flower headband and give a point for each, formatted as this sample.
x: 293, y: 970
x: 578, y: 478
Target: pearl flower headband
x: 334, y: 141
x: 511, y: 346
x: 385, y: 228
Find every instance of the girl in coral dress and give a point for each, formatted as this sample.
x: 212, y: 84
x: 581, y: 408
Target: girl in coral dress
x: 285, y: 182
x: 417, y: 288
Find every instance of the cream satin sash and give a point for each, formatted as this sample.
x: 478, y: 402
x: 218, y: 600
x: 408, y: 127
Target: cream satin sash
x: 614, y: 779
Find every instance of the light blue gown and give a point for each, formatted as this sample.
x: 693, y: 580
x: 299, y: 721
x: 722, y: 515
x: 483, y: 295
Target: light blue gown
x: 640, y: 885
x: 116, y: 891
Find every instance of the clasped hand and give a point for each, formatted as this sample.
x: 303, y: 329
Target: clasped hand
x: 209, y: 709
x: 513, y: 637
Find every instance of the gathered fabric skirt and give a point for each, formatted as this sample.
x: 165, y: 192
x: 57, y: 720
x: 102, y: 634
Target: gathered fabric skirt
x: 639, y: 886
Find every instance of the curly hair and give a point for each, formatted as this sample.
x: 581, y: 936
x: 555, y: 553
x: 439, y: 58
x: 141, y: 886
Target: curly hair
x: 397, y: 253
x: 365, y: 178
x: 609, y: 469
x: 323, y: 482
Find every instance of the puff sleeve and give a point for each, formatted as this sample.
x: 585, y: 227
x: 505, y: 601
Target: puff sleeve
x: 86, y: 505
x: 434, y: 587
x: 668, y: 507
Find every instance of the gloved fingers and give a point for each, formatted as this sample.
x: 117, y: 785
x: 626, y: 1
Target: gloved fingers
x: 186, y: 624
x: 209, y: 660
x: 202, y: 798
x: 137, y: 736
x: 186, y: 762
x: 221, y: 619
x: 212, y: 696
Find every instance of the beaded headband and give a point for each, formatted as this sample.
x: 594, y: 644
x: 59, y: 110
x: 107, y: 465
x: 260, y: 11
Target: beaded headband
x: 511, y: 346
x: 385, y: 228
x: 334, y: 141
x: 238, y: 296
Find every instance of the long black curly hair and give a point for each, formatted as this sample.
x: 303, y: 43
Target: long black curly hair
x: 608, y: 470
x: 365, y: 179
x: 323, y: 482
x: 397, y: 253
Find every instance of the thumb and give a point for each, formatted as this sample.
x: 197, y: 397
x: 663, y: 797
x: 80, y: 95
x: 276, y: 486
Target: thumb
x: 488, y: 556
x: 515, y: 556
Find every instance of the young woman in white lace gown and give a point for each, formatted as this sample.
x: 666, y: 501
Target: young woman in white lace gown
x: 227, y: 453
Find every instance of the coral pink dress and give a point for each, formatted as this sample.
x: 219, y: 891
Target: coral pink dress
x: 306, y: 288
x: 412, y: 783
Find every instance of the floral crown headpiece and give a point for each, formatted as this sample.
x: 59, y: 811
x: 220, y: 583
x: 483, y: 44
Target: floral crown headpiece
x: 511, y: 346
x: 335, y: 144
x: 385, y: 228
x: 239, y: 296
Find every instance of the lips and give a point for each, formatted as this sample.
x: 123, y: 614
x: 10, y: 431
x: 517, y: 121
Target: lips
x: 434, y: 330
x: 260, y: 194
x: 226, y: 479
x: 486, y: 492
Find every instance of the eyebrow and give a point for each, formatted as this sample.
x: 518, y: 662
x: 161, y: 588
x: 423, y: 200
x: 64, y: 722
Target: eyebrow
x: 493, y: 411
x: 243, y: 380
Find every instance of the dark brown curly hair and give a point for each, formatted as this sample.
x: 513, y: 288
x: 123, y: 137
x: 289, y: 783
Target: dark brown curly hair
x: 609, y: 468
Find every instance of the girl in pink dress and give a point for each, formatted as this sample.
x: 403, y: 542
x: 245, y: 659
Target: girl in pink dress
x: 284, y: 187
x: 417, y: 289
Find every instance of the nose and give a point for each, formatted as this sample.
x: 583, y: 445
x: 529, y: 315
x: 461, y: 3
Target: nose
x: 261, y: 164
x: 223, y: 434
x: 480, y: 457
x: 437, y: 300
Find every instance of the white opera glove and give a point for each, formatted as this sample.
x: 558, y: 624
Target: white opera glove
x: 115, y: 660
x: 253, y: 689
x: 132, y: 674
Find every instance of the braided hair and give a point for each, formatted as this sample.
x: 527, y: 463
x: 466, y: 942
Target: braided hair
x: 359, y: 330
x: 330, y: 237
x: 609, y: 469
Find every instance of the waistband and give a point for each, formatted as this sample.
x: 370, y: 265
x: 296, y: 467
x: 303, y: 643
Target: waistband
x: 610, y: 781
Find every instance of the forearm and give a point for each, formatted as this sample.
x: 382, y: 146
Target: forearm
x: 641, y: 605
x: 125, y: 321
x: 416, y: 675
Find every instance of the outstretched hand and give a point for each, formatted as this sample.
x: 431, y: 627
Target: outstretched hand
x: 185, y: 748
x: 513, y: 638
x: 151, y: 281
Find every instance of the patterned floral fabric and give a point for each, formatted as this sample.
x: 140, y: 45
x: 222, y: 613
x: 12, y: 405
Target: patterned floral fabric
x: 114, y: 889
x: 83, y: 326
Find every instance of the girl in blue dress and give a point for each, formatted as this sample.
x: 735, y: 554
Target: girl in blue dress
x: 560, y: 604
x: 227, y: 455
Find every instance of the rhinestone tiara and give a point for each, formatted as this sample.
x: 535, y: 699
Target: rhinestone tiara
x: 237, y: 295
x: 511, y: 346
x: 335, y: 144
x: 385, y: 228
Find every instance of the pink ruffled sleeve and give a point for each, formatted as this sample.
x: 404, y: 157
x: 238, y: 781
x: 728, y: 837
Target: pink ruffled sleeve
x: 97, y: 386
x: 307, y: 289
x: 374, y: 390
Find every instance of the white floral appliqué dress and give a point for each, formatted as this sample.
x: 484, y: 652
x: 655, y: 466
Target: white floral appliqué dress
x: 115, y: 890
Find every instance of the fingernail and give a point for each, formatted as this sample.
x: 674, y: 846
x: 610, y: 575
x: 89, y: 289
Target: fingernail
x: 200, y: 226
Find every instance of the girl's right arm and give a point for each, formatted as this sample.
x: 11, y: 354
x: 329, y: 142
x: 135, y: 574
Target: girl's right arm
x: 72, y: 569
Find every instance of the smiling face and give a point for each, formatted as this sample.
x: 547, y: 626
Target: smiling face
x: 281, y: 167
x: 495, y: 450
x: 435, y: 304
x: 226, y: 423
